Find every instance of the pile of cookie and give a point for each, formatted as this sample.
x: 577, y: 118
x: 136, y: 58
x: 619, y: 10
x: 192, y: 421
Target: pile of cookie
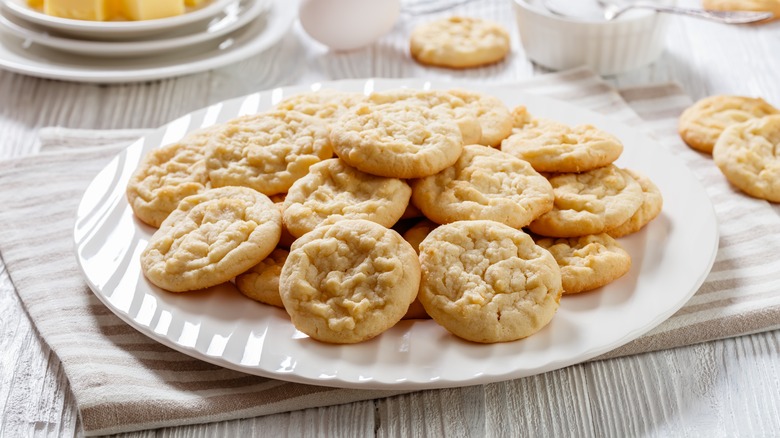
x: 421, y: 212
x: 743, y: 135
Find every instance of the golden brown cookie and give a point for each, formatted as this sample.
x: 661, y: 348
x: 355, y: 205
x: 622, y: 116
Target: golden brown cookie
x: 484, y: 183
x: 397, y: 140
x: 487, y: 282
x: 748, y: 154
x: 494, y: 118
x: 334, y: 190
x: 652, y: 203
x: 210, y: 238
x: 459, y: 42
x: 589, y: 203
x: 701, y: 124
x: 587, y: 262
x: 261, y: 281
x: 167, y: 175
x: 349, y: 281
x: 464, y: 114
x: 267, y: 151
x: 772, y: 6
x: 552, y: 146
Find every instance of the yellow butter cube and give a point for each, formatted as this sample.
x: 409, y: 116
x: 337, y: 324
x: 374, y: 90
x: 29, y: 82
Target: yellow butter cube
x: 194, y: 3
x: 150, y: 9
x: 36, y: 4
x: 95, y: 10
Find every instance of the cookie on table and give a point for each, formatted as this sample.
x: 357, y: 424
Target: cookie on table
x: 748, y: 154
x: 267, y: 151
x: 451, y: 106
x: 589, y: 203
x: 211, y: 238
x: 459, y: 42
x: 167, y: 175
x: 652, y: 203
x: 484, y: 183
x: 701, y: 124
x: 349, y: 281
x: 327, y: 105
x: 487, y: 282
x: 494, y: 117
x: 333, y: 190
x: 772, y: 6
x: 587, y: 262
x: 261, y: 281
x: 552, y: 146
x: 397, y: 140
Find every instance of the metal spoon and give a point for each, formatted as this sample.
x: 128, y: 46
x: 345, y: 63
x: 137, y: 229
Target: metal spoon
x: 611, y: 10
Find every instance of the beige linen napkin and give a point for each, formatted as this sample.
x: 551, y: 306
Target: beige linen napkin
x: 124, y: 381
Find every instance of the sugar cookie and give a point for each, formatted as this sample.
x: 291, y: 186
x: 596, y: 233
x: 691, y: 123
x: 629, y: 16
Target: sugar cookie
x: 210, y: 238
x: 652, y: 203
x: 167, y: 175
x: 397, y: 140
x: 327, y: 105
x: 552, y: 146
x: 261, y: 281
x: 494, y: 118
x: 748, y: 154
x: 484, y: 183
x: 487, y: 282
x: 267, y: 151
x: 334, y: 189
x: 701, y: 124
x: 464, y: 114
x: 459, y: 42
x: 587, y: 262
x: 589, y: 203
x: 349, y: 281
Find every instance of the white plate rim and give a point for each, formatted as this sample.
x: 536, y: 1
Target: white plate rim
x: 706, y: 228
x: 248, y: 11
x: 279, y: 17
x: 20, y: 9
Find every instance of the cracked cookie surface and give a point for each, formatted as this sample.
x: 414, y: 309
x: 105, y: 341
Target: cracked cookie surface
x: 587, y: 262
x: 459, y: 42
x: 327, y: 105
x: 484, y: 183
x: 652, y: 203
x: 494, y: 118
x: 267, y: 151
x: 332, y: 189
x: 701, y: 124
x: 349, y: 281
x: 454, y: 107
x: 589, y: 203
x: 261, y: 281
x: 748, y: 154
x: 167, y: 175
x: 397, y: 140
x: 487, y: 282
x: 210, y: 238
x: 552, y: 146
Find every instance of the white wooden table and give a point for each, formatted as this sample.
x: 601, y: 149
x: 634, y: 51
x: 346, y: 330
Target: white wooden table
x: 722, y: 388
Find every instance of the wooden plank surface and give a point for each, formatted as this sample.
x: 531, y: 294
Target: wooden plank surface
x: 723, y: 388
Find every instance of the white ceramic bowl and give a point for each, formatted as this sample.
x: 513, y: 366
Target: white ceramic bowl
x: 609, y: 47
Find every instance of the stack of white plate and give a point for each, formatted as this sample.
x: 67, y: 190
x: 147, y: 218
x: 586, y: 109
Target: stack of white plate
x: 215, y: 34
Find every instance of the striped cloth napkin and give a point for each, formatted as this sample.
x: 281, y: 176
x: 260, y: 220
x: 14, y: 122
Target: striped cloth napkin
x: 124, y: 381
